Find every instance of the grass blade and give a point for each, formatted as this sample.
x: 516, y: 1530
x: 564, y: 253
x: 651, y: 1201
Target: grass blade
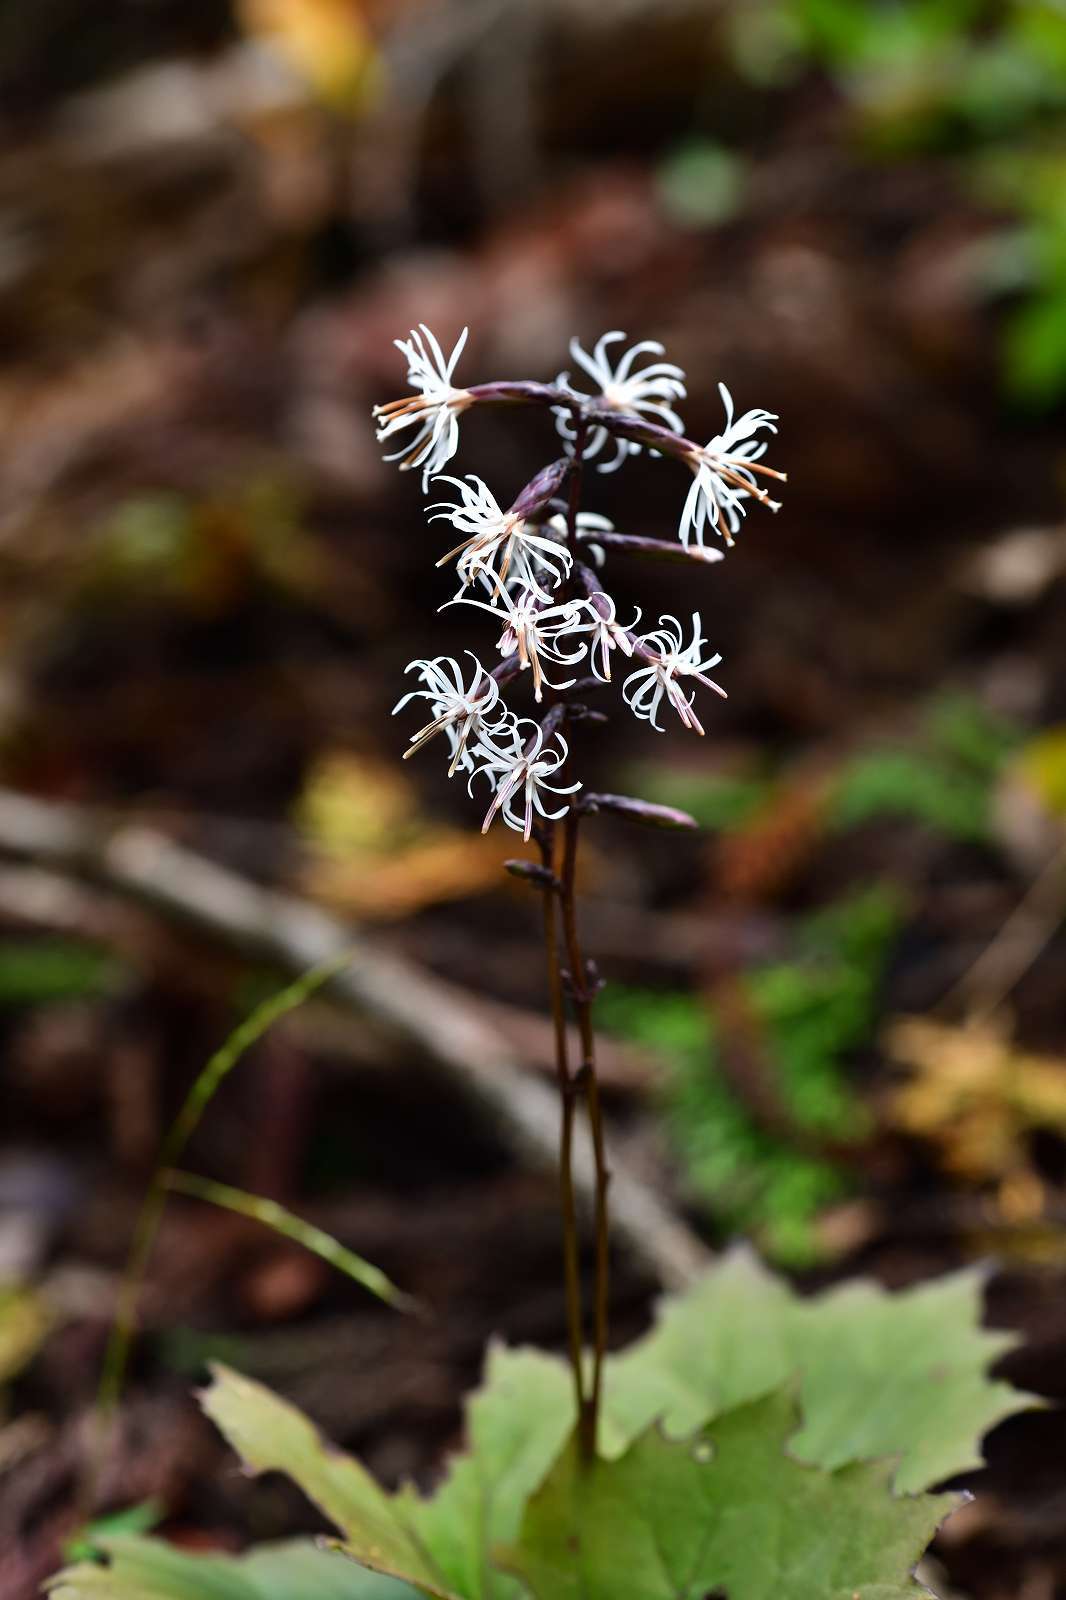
x: 220, y: 1065
x: 314, y: 1239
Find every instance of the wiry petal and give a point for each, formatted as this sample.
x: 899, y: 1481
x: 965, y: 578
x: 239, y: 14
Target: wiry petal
x: 725, y: 475
x: 497, y: 544
x: 462, y: 713
x: 650, y: 391
x: 433, y: 412
x: 667, y: 659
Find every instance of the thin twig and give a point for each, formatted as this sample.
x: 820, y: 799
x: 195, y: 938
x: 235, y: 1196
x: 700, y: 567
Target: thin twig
x: 417, y: 1009
x: 1017, y: 944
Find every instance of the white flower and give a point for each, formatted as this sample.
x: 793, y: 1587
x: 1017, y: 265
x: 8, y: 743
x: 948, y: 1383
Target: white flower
x: 643, y: 690
x: 457, y: 711
x: 725, y: 475
x: 433, y: 412
x: 587, y: 522
x: 648, y: 392
x: 520, y: 772
x: 497, y: 543
x: 532, y: 628
x: 601, y: 621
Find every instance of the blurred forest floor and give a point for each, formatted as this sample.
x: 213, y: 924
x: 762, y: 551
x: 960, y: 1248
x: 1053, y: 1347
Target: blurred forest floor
x: 829, y: 1026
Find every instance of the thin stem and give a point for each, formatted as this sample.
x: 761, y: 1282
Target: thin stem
x: 567, y: 1101
x: 573, y: 499
x: 582, y: 1000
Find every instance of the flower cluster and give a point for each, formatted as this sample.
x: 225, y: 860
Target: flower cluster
x: 528, y: 565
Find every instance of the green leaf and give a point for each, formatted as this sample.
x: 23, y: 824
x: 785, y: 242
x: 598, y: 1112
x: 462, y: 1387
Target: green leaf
x: 320, y: 1243
x: 903, y: 1375
x: 875, y: 1375
x: 272, y: 1436
x: 92, y: 1538
x: 880, y: 1374
x: 729, y: 1511
x: 726, y: 1340
x: 516, y: 1425
x: 148, y: 1569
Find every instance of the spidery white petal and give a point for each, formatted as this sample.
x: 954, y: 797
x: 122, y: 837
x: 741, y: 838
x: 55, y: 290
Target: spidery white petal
x: 497, y: 543
x: 462, y: 713
x: 433, y: 412
x: 667, y: 658
x: 520, y: 770
x: 650, y: 391
x: 724, y: 475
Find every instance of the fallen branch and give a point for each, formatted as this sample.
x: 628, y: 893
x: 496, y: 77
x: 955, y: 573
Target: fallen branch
x: 418, y: 1010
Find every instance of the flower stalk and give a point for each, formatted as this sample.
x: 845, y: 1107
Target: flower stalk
x: 535, y: 568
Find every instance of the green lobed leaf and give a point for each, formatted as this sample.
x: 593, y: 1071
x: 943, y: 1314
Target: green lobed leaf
x: 729, y: 1511
x: 516, y: 1426
x: 272, y: 1436
x: 913, y: 1380
x: 148, y: 1569
x: 875, y: 1374
x: 881, y: 1374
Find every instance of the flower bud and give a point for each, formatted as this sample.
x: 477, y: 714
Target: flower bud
x: 528, y: 394
x: 652, y: 816
x: 544, y: 487
x: 532, y: 872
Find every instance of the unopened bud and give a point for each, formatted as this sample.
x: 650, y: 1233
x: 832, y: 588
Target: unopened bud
x: 652, y: 816
x: 516, y: 394
x: 544, y: 487
x: 532, y: 872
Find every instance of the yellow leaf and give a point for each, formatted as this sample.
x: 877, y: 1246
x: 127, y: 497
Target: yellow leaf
x: 326, y: 41
x: 976, y: 1095
x: 1042, y: 762
x: 355, y: 805
x: 23, y: 1325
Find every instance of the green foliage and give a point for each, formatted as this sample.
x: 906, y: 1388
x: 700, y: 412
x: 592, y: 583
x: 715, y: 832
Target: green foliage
x: 882, y: 1375
x: 943, y: 775
x: 146, y: 1569
x: 517, y: 1425
x: 717, y: 802
x: 956, y: 75
x: 700, y: 183
x: 200, y: 552
x: 728, y: 1512
x: 901, y: 783
x: 243, y: 1037
x: 93, y: 1539
x: 750, y: 1442
x: 811, y: 1011
x: 42, y: 971
x: 944, y: 778
x: 320, y: 1243
x: 918, y: 72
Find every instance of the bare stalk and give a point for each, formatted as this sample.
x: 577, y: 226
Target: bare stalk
x: 583, y: 993
x: 567, y: 1101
